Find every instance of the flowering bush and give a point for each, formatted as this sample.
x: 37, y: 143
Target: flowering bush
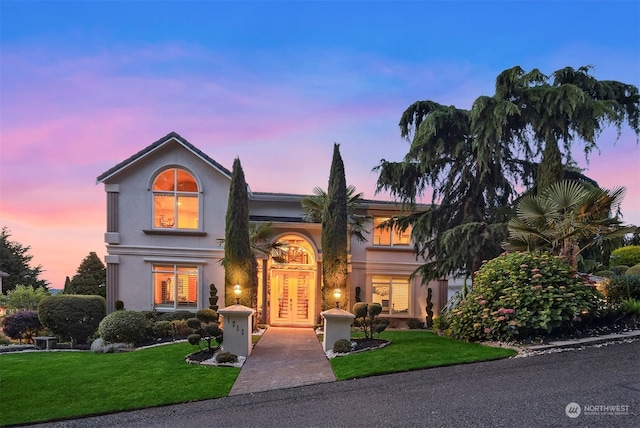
x: 518, y: 295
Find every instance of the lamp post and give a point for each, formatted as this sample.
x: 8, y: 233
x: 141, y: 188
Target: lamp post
x: 337, y: 294
x: 237, y: 290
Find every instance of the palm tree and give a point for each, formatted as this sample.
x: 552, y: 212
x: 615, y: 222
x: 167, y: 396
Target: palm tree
x: 566, y: 219
x: 314, y: 206
x: 260, y: 238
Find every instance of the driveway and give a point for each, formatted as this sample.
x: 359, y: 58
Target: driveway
x: 524, y: 392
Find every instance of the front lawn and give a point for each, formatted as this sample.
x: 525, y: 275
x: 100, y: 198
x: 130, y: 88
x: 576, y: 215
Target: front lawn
x: 39, y: 386
x: 412, y: 350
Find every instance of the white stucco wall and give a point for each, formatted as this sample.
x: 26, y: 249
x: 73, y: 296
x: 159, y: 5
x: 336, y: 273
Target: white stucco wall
x: 138, y: 250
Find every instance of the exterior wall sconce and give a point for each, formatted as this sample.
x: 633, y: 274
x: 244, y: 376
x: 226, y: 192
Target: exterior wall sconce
x: 237, y: 290
x: 337, y: 294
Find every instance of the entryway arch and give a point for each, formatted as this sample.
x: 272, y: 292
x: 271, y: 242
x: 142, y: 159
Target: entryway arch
x: 293, y: 285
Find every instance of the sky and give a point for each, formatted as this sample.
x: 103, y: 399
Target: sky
x: 86, y: 84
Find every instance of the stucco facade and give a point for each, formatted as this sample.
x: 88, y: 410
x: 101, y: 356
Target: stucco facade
x: 166, y: 209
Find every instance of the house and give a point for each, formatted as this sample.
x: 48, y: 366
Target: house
x: 166, y: 209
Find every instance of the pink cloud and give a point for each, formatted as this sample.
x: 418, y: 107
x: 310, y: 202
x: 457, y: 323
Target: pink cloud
x: 66, y: 119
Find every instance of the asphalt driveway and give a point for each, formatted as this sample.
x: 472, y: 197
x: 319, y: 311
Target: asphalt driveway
x: 603, y: 383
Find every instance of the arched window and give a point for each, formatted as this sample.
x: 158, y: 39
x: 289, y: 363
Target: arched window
x: 175, y: 200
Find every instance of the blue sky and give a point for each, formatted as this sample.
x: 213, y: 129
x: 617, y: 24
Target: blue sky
x: 85, y: 84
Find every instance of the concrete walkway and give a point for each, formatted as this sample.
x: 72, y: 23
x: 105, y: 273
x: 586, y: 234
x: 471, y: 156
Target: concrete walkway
x: 284, y: 358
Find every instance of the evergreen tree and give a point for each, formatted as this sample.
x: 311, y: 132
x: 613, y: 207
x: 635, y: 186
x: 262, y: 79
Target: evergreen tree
x: 334, y: 233
x: 15, y: 260
x: 471, y: 187
x: 90, y: 278
x: 473, y: 161
x: 238, y: 258
x: 543, y: 114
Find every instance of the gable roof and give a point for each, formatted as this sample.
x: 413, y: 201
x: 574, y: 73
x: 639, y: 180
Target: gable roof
x: 172, y: 136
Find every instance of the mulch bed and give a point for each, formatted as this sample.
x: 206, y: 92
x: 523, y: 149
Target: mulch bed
x: 366, y: 344
x: 200, y: 356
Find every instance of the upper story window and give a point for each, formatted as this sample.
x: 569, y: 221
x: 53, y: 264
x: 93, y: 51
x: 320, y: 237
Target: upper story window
x: 390, y: 236
x: 175, y: 200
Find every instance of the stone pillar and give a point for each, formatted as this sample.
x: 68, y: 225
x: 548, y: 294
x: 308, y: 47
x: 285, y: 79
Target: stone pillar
x: 237, y: 329
x: 337, y: 325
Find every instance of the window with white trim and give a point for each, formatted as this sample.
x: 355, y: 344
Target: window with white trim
x: 175, y: 200
x: 175, y: 286
x: 389, y: 236
x: 392, y: 293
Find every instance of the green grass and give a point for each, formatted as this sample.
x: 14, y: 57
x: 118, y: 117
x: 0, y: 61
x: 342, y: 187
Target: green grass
x: 412, y: 350
x: 38, y: 386
x: 44, y: 386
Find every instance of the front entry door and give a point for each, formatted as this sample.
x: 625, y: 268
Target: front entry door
x: 292, y: 302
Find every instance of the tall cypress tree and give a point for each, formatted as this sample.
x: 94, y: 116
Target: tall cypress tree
x: 238, y: 267
x: 334, y: 234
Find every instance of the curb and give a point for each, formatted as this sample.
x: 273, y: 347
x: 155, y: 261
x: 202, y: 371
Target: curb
x: 587, y: 341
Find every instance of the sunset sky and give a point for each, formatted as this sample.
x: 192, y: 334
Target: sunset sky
x: 86, y: 84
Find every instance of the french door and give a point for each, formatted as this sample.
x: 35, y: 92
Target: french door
x: 292, y: 297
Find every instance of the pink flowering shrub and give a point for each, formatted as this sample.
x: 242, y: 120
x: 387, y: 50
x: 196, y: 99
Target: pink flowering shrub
x: 518, y: 295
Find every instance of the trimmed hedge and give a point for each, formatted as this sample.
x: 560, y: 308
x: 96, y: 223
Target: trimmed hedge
x: 72, y: 315
x: 175, y: 316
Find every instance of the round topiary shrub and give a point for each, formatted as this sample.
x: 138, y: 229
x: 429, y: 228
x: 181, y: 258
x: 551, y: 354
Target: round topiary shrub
x: 633, y: 270
x: 518, y: 295
x: 123, y: 327
x: 194, y: 323
x: 342, y: 346
x: 207, y: 315
x: 194, y: 339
